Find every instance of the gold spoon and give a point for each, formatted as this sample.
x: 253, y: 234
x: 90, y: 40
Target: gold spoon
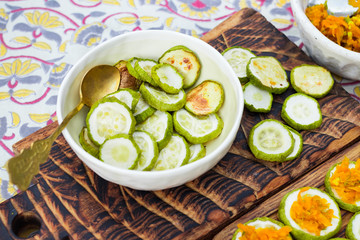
x: 97, y: 83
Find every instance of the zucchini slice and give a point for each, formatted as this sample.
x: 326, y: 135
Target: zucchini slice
x: 301, y: 112
x: 263, y: 228
x: 197, y: 151
x: 128, y: 96
x: 342, y: 183
x: 311, y: 212
x: 267, y: 73
x: 175, y: 154
x: 257, y: 99
x: 109, y: 117
x: 298, y: 145
x: 270, y: 140
x: 353, y: 227
x: 149, y: 151
x: 205, y: 98
x: 161, y: 100
x: 167, y: 78
x: 197, y: 129
x: 130, y: 65
x: 313, y: 80
x: 160, y: 126
x: 87, y: 144
x: 238, y: 58
x: 142, y: 110
x: 185, y: 61
x: 120, y: 151
x: 143, y: 68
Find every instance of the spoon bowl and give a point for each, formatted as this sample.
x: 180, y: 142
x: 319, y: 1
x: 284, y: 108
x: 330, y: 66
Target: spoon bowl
x: 96, y: 83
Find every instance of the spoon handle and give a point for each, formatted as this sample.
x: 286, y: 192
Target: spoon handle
x: 23, y: 167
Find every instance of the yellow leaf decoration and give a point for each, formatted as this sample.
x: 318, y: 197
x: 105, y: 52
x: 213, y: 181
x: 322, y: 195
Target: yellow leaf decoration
x: 42, y: 45
x: 22, y: 39
x: 4, y: 95
x: 169, y: 21
x: 43, y: 19
x: 149, y: 19
x: 3, y: 50
x: 23, y: 93
x: 15, y: 119
x: 132, y: 3
x: 243, y: 4
x: 127, y: 20
x: 39, y: 118
x: 62, y: 47
x: 282, y: 21
x: 281, y: 3
x: 113, y: 2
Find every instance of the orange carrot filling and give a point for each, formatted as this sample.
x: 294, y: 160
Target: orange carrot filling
x: 311, y: 212
x: 346, y: 181
x: 269, y: 233
x: 345, y: 31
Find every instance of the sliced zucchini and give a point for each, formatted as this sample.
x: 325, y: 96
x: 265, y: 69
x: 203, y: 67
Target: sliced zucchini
x: 267, y: 73
x: 167, y: 78
x: 160, y: 126
x: 109, y: 117
x: 143, y: 68
x: 205, y: 98
x: 175, y: 154
x: 311, y: 213
x: 126, y: 79
x: 87, y: 144
x: 238, y: 58
x: 142, y: 110
x: 353, y: 227
x: 185, y: 61
x: 149, y: 151
x: 197, y: 151
x: 120, y: 151
x: 197, y: 129
x: 161, y: 100
x: 128, y: 96
x: 301, y: 112
x: 263, y: 228
x: 298, y: 145
x: 130, y: 65
x: 313, y: 80
x: 271, y: 140
x: 257, y: 99
x: 342, y: 183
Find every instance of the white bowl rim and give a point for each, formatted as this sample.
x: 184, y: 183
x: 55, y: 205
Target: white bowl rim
x: 319, y: 36
x: 164, y: 173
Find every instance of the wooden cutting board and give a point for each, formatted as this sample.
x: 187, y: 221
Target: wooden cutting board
x: 69, y: 201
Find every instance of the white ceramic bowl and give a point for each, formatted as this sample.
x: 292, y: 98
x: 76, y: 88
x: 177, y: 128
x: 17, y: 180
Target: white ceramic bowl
x: 339, y: 60
x: 151, y: 44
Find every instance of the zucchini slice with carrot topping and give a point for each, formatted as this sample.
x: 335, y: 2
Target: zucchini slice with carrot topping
x: 311, y: 212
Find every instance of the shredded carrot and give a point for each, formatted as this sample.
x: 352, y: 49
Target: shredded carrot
x: 344, y: 31
x: 346, y: 181
x: 354, y: 3
x: 269, y: 233
x: 311, y: 212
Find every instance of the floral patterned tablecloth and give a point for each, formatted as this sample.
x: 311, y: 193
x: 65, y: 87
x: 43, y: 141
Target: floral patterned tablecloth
x: 40, y: 40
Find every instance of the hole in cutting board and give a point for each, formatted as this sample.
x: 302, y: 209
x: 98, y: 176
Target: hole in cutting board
x: 26, y: 224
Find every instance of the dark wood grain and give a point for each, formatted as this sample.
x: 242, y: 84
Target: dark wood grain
x: 73, y: 202
x: 314, y: 178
